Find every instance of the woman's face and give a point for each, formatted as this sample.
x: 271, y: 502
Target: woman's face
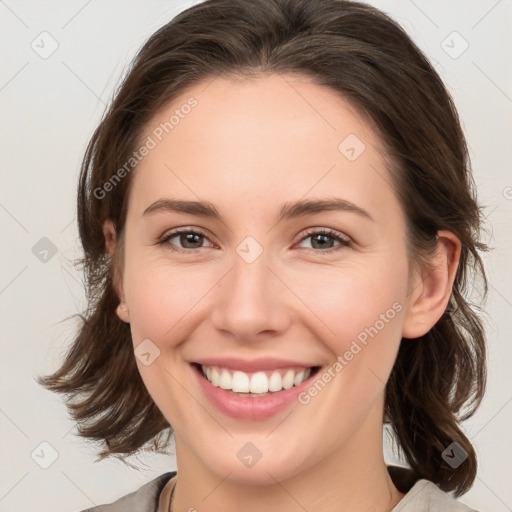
x: 260, y: 286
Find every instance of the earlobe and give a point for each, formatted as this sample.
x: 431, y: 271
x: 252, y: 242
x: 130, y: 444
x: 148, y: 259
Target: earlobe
x: 123, y: 313
x: 430, y: 293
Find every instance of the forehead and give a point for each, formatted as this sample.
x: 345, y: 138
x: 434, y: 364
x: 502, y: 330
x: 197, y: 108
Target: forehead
x: 262, y: 140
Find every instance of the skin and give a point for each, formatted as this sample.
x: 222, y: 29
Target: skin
x: 248, y: 147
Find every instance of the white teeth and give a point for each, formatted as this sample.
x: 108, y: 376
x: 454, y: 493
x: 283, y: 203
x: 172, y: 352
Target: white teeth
x: 275, y: 383
x: 240, y: 382
x: 225, y: 380
x: 215, y: 377
x: 288, y: 379
x: 258, y: 382
x: 298, y: 378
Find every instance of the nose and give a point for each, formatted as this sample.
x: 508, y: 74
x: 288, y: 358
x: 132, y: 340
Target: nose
x: 252, y: 301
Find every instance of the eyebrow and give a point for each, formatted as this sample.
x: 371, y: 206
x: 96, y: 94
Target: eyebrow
x: 289, y: 210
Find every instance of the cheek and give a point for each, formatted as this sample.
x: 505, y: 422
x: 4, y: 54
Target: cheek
x: 363, y: 310
x: 356, y: 303
x: 160, y: 296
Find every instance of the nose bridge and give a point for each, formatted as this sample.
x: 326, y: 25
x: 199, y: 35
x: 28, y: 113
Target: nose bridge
x: 251, y: 298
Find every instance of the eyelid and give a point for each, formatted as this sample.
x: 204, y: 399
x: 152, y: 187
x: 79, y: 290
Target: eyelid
x: 184, y: 229
x: 326, y: 231
x: 344, y: 240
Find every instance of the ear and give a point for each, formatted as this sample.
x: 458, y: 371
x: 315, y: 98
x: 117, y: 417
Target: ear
x: 431, y: 291
x: 109, y: 232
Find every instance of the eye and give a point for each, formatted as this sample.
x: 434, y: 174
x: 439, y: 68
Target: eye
x: 320, y: 239
x: 191, y: 239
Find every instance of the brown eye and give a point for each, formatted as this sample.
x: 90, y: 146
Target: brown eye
x: 322, y: 240
x: 188, y: 240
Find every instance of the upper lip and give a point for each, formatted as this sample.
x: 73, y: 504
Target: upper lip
x: 253, y: 365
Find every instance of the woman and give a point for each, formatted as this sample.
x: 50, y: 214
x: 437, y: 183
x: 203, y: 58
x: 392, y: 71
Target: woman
x: 279, y: 223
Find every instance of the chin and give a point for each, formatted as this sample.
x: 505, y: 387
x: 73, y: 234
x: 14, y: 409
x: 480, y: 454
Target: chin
x: 265, y: 471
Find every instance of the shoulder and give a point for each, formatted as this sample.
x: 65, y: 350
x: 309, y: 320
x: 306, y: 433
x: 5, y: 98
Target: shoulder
x: 144, y: 499
x: 425, y: 496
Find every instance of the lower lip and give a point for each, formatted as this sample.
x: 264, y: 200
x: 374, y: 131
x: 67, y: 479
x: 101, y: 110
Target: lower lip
x: 247, y: 408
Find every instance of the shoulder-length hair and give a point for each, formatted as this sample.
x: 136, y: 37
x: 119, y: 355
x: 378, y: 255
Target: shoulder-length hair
x: 359, y: 52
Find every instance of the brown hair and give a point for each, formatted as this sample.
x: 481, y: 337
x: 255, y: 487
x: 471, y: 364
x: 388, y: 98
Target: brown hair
x: 366, y: 57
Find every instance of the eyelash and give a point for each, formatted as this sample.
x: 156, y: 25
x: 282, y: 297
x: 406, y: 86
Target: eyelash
x: 344, y: 242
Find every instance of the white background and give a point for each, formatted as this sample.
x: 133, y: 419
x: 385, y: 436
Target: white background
x: 49, y: 110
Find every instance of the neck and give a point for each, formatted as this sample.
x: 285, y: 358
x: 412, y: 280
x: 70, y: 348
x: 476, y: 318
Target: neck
x: 352, y: 479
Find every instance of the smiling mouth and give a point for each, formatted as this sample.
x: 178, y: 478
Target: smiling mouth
x: 255, y: 384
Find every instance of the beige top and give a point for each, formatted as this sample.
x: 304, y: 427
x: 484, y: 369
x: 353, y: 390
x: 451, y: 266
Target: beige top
x: 164, y: 503
x: 423, y: 496
x: 420, y: 495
